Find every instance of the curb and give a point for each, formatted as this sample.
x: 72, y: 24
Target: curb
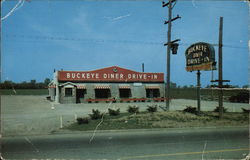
x: 62, y: 131
x: 143, y: 130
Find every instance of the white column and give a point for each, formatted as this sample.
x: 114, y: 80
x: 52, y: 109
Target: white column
x: 57, y: 87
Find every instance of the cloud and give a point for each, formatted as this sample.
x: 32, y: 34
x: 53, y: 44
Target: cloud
x: 81, y: 21
x: 117, y: 18
x: 193, y: 2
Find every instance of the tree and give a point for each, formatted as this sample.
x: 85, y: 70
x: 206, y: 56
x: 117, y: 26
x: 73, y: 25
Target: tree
x: 32, y: 84
x: 191, y: 86
x: 173, y: 85
x: 235, y: 86
x: 33, y: 81
x: 46, y: 81
x: 7, y: 85
x: 208, y: 86
x: 185, y: 86
x: 245, y: 86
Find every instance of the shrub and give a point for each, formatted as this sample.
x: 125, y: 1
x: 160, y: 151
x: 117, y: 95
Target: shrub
x: 133, y: 109
x: 190, y: 109
x: 245, y: 110
x: 242, y: 97
x: 113, y: 112
x: 217, y: 109
x: 152, y: 108
x: 96, y: 114
x: 84, y: 120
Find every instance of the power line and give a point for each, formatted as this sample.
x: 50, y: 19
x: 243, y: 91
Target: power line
x: 35, y: 37
x: 58, y: 38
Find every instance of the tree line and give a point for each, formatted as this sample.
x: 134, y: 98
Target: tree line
x: 32, y: 84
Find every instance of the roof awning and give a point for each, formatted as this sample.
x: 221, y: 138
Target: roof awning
x: 68, y: 85
x: 124, y: 87
x: 102, y: 87
x: 152, y: 87
x: 81, y: 87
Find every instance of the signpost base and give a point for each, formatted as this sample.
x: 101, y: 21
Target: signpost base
x: 198, y: 91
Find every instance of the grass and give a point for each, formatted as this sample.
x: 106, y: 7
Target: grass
x: 24, y: 92
x: 173, y: 119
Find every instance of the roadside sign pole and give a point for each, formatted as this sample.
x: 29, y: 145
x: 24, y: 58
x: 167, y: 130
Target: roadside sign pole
x: 198, y: 91
x: 200, y: 56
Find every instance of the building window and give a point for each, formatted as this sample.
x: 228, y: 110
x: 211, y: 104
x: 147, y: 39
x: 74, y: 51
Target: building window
x: 125, y: 93
x: 68, y: 92
x: 152, y: 93
x: 102, y: 93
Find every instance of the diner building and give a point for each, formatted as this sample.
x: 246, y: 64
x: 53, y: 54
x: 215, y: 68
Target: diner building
x: 114, y: 84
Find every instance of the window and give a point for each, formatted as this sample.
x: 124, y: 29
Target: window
x: 102, y: 93
x: 68, y: 92
x: 152, y: 93
x: 125, y: 93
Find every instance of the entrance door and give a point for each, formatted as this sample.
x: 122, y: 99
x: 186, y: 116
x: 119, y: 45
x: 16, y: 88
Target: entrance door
x: 80, y: 95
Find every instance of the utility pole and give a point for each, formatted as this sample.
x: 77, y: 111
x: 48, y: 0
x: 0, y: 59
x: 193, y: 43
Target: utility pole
x: 220, y: 70
x: 220, y: 82
x: 170, y: 45
x: 1, y: 124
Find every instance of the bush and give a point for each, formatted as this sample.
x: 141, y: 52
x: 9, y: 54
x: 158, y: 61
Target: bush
x: 113, y: 112
x: 242, y: 97
x: 217, y: 109
x: 96, y: 114
x: 190, y: 109
x: 133, y: 109
x: 152, y: 108
x: 245, y: 110
x: 82, y: 120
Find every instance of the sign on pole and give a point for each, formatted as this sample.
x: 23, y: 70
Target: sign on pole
x: 200, y: 56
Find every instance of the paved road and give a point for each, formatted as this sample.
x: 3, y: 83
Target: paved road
x: 206, y: 143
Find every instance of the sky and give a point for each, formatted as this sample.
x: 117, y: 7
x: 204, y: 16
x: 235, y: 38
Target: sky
x: 79, y: 35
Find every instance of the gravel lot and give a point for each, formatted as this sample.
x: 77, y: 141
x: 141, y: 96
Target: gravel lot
x: 29, y: 115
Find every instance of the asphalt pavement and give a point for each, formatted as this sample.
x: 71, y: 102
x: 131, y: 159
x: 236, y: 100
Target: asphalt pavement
x: 34, y: 115
x: 161, y: 144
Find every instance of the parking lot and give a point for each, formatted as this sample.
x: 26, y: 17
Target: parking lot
x: 29, y: 115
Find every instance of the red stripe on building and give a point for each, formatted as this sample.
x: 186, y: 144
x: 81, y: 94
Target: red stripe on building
x: 110, y: 74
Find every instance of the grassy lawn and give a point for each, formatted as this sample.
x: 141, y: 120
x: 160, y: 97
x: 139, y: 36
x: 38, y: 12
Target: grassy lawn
x: 173, y: 119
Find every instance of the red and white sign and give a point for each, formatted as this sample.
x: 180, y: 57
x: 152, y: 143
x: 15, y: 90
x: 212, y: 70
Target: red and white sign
x: 110, y: 74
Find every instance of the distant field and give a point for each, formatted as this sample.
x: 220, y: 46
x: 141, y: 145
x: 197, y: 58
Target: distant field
x: 24, y: 92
